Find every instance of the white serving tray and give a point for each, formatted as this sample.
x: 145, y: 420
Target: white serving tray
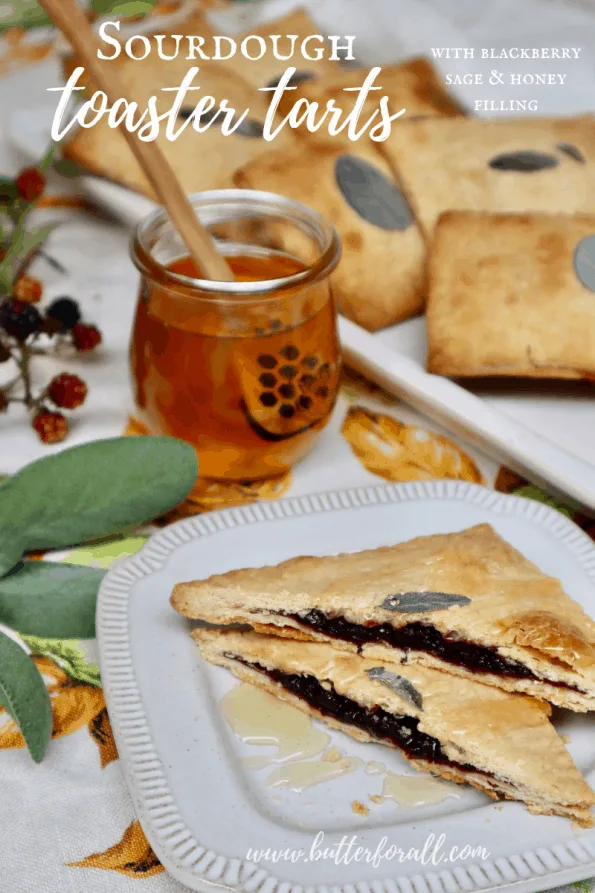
x: 545, y: 430
x: 199, y: 805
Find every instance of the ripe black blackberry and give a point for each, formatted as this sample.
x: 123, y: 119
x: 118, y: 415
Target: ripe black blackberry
x: 19, y: 319
x: 64, y: 311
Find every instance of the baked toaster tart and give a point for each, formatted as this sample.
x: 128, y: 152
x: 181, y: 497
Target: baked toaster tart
x: 502, y: 744
x: 466, y: 602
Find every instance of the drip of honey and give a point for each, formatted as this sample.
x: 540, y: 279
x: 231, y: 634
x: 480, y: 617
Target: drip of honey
x: 410, y: 790
x: 300, y: 776
x: 258, y: 717
x: 247, y: 380
x: 261, y: 719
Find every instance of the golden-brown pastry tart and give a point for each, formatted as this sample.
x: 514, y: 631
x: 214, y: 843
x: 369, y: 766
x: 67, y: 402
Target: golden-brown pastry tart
x: 466, y: 602
x: 500, y: 743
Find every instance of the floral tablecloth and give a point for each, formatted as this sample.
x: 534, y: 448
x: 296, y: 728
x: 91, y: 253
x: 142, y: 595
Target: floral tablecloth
x: 68, y: 824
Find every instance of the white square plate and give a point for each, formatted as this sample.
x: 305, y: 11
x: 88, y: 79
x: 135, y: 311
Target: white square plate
x: 202, y: 809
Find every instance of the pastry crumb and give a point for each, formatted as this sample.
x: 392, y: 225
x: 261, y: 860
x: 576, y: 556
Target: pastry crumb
x: 376, y: 798
x: 359, y: 809
x: 332, y: 756
x: 565, y: 739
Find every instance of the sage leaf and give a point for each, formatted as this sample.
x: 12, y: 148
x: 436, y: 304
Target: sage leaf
x: 523, y: 162
x: 92, y: 490
x: 401, y: 686
x: 251, y: 128
x: 24, y: 696
x: 572, y: 152
x: 51, y: 599
x: 206, y: 117
x: 371, y: 194
x: 422, y: 602
x: 298, y: 77
x: 11, y: 547
x: 584, y: 262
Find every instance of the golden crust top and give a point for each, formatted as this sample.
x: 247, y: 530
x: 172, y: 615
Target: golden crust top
x: 512, y: 603
x: 541, y: 318
x: 444, y: 163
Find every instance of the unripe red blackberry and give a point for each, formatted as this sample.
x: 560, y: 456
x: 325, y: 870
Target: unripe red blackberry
x: 85, y: 337
x: 67, y: 391
x: 30, y: 183
x: 27, y: 289
x: 51, y: 427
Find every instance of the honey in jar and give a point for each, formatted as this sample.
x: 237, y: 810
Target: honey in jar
x: 248, y: 371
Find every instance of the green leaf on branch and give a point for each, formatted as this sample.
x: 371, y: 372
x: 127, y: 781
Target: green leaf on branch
x: 8, y: 190
x: 67, y: 656
x: 45, y: 598
x: 529, y: 491
x: 24, y: 696
x: 90, y: 491
x: 23, y: 14
x: 49, y: 156
x: 67, y: 168
x: 23, y: 245
x: 132, y: 8
x: 11, y: 549
x: 124, y: 8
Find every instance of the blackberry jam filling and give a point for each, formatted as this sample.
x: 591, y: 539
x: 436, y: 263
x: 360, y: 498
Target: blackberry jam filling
x: 402, y: 731
x: 416, y: 637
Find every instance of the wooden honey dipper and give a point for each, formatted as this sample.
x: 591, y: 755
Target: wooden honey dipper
x: 72, y: 22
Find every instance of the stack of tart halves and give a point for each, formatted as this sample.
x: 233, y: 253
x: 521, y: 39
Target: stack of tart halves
x: 450, y: 648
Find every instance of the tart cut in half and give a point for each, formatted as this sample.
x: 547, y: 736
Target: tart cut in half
x: 502, y: 744
x: 464, y: 602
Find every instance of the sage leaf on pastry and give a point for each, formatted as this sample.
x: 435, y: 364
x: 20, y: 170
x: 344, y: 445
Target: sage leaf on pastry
x: 523, y: 162
x: 372, y: 195
x: 584, y: 262
x: 398, y: 684
x: 470, y: 604
x: 572, y: 152
x: 422, y: 602
x: 250, y: 128
x: 298, y: 77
